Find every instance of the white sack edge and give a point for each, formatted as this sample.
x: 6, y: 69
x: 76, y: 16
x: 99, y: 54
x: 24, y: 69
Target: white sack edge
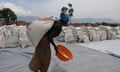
x: 37, y: 29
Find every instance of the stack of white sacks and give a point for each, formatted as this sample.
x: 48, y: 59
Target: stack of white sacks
x: 88, y: 33
x: 12, y: 36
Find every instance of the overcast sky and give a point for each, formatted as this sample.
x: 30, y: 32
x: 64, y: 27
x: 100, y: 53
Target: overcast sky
x: 83, y: 8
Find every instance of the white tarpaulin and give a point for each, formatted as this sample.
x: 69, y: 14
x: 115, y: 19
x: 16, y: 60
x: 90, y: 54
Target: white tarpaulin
x: 107, y: 46
x: 17, y: 60
x: 84, y: 60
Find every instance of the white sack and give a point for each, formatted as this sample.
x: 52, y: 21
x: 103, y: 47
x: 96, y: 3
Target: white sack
x: 98, y: 35
x: 92, y: 35
x: 85, y: 38
x: 23, y: 38
x: 68, y: 35
x: 111, y: 34
x: 37, y: 29
x: 75, y: 36
x: 117, y: 29
x: 11, y: 36
x: 2, y: 41
x: 80, y: 35
x: 118, y: 32
x: 76, y: 33
x: 103, y: 35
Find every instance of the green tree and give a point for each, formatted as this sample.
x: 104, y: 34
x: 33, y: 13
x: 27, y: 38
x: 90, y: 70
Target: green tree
x: 0, y: 13
x: 9, y: 16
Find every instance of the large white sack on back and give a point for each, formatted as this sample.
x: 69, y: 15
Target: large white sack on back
x: 37, y: 29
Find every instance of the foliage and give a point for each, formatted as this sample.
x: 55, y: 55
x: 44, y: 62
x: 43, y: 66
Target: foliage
x: 8, y: 15
x: 0, y: 13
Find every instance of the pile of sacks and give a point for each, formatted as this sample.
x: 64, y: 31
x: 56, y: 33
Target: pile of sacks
x: 89, y: 33
x: 13, y: 36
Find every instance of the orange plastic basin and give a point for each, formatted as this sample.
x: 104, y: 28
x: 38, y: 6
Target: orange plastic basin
x: 63, y: 53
